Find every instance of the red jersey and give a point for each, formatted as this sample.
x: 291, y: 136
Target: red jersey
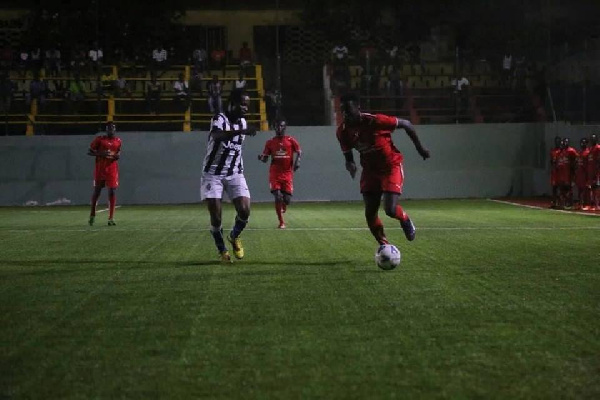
x: 565, y: 165
x: 581, y: 169
x: 372, y: 137
x: 106, y: 166
x: 554, y: 154
x: 593, y: 162
x: 281, y: 149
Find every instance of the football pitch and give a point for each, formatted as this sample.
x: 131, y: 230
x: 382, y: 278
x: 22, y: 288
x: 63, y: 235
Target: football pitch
x: 490, y: 301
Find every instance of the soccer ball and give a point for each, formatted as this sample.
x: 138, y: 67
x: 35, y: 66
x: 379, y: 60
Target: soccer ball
x: 387, y: 257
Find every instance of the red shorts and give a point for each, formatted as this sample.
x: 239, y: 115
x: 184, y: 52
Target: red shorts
x: 553, y: 180
x: 104, y: 180
x: 282, y: 183
x: 377, y: 182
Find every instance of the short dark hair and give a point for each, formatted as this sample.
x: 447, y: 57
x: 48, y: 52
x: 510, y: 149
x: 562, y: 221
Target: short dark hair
x: 349, y: 97
x: 236, y: 96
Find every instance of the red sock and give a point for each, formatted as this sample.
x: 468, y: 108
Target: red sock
x: 278, y: 210
x: 94, y: 203
x: 112, y: 200
x: 376, y: 228
x: 400, y: 214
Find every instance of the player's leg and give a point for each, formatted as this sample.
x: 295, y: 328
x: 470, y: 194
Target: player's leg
x: 214, y: 206
x: 98, y: 185
x: 237, y: 189
x: 279, y: 207
x: 394, y: 210
x: 112, y: 201
x: 287, y: 189
x: 211, y: 190
x: 372, y: 202
x: 112, y: 184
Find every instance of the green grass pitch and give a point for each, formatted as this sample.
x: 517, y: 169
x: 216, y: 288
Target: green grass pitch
x: 490, y: 301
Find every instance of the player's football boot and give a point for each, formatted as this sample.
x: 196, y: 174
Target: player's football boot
x: 91, y: 220
x: 225, y: 257
x: 409, y: 229
x: 281, y: 225
x: 111, y: 222
x: 238, y: 248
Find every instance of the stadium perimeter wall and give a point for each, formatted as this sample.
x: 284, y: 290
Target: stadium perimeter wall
x: 480, y: 161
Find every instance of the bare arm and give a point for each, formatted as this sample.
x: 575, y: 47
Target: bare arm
x: 412, y: 134
x: 219, y: 134
x: 298, y: 158
x: 350, y: 165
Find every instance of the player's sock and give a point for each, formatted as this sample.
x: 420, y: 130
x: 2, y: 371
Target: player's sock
x: 238, y: 227
x: 217, y: 234
x: 376, y: 227
x: 400, y: 214
x: 279, y: 211
x: 283, y: 207
x: 112, y: 200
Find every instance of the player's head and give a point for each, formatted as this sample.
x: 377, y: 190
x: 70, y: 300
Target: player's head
x: 594, y: 139
x: 350, y: 108
x: 583, y: 143
x: 565, y: 143
x: 111, y: 128
x: 238, y: 104
x: 280, y: 127
x: 557, y: 141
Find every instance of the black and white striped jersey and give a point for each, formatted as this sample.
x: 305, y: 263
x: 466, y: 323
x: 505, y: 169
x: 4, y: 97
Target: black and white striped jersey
x: 224, y: 158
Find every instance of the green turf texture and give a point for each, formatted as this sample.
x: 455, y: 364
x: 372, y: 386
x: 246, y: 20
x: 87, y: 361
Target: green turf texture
x: 491, y: 301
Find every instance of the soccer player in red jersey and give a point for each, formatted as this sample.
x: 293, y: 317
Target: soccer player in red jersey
x: 565, y: 173
x: 554, y: 153
x: 281, y: 149
x: 593, y: 172
x: 107, y: 150
x: 583, y: 189
x: 382, y: 172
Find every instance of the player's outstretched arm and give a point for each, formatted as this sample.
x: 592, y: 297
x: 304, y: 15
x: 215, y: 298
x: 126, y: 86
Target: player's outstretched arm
x: 297, y: 162
x: 350, y: 164
x: 412, y: 134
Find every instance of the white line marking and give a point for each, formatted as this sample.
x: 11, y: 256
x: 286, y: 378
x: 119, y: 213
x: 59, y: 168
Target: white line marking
x: 106, y: 209
x: 543, y: 208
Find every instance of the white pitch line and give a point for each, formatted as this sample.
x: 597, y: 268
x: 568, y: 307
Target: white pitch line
x: 543, y: 208
x: 106, y: 209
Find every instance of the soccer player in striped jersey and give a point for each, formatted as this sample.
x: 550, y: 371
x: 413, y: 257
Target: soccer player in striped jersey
x: 223, y: 170
x: 382, y: 171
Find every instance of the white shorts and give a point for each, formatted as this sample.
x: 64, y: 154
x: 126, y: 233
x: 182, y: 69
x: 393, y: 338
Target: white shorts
x: 211, y: 186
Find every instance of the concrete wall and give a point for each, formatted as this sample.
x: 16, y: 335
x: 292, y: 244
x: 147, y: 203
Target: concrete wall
x: 485, y: 160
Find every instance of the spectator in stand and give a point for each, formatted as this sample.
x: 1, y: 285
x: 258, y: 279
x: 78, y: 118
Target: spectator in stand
x: 96, y: 58
x: 24, y: 60
x: 153, y: 94
x: 368, y: 55
x: 107, y: 83
x: 75, y: 94
x: 215, y: 91
x: 36, y: 58
x: 245, y: 56
x: 122, y: 87
x: 6, y: 93
x: 240, y: 83
x: 395, y: 87
x: 78, y: 61
x: 53, y: 62
x: 200, y: 60
x: 272, y: 103
x: 461, y: 93
x: 159, y: 59
x: 394, y: 56
x: 182, y: 92
x: 196, y: 81
x: 218, y: 58
x: 37, y: 91
x: 340, y: 79
x: 339, y: 55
